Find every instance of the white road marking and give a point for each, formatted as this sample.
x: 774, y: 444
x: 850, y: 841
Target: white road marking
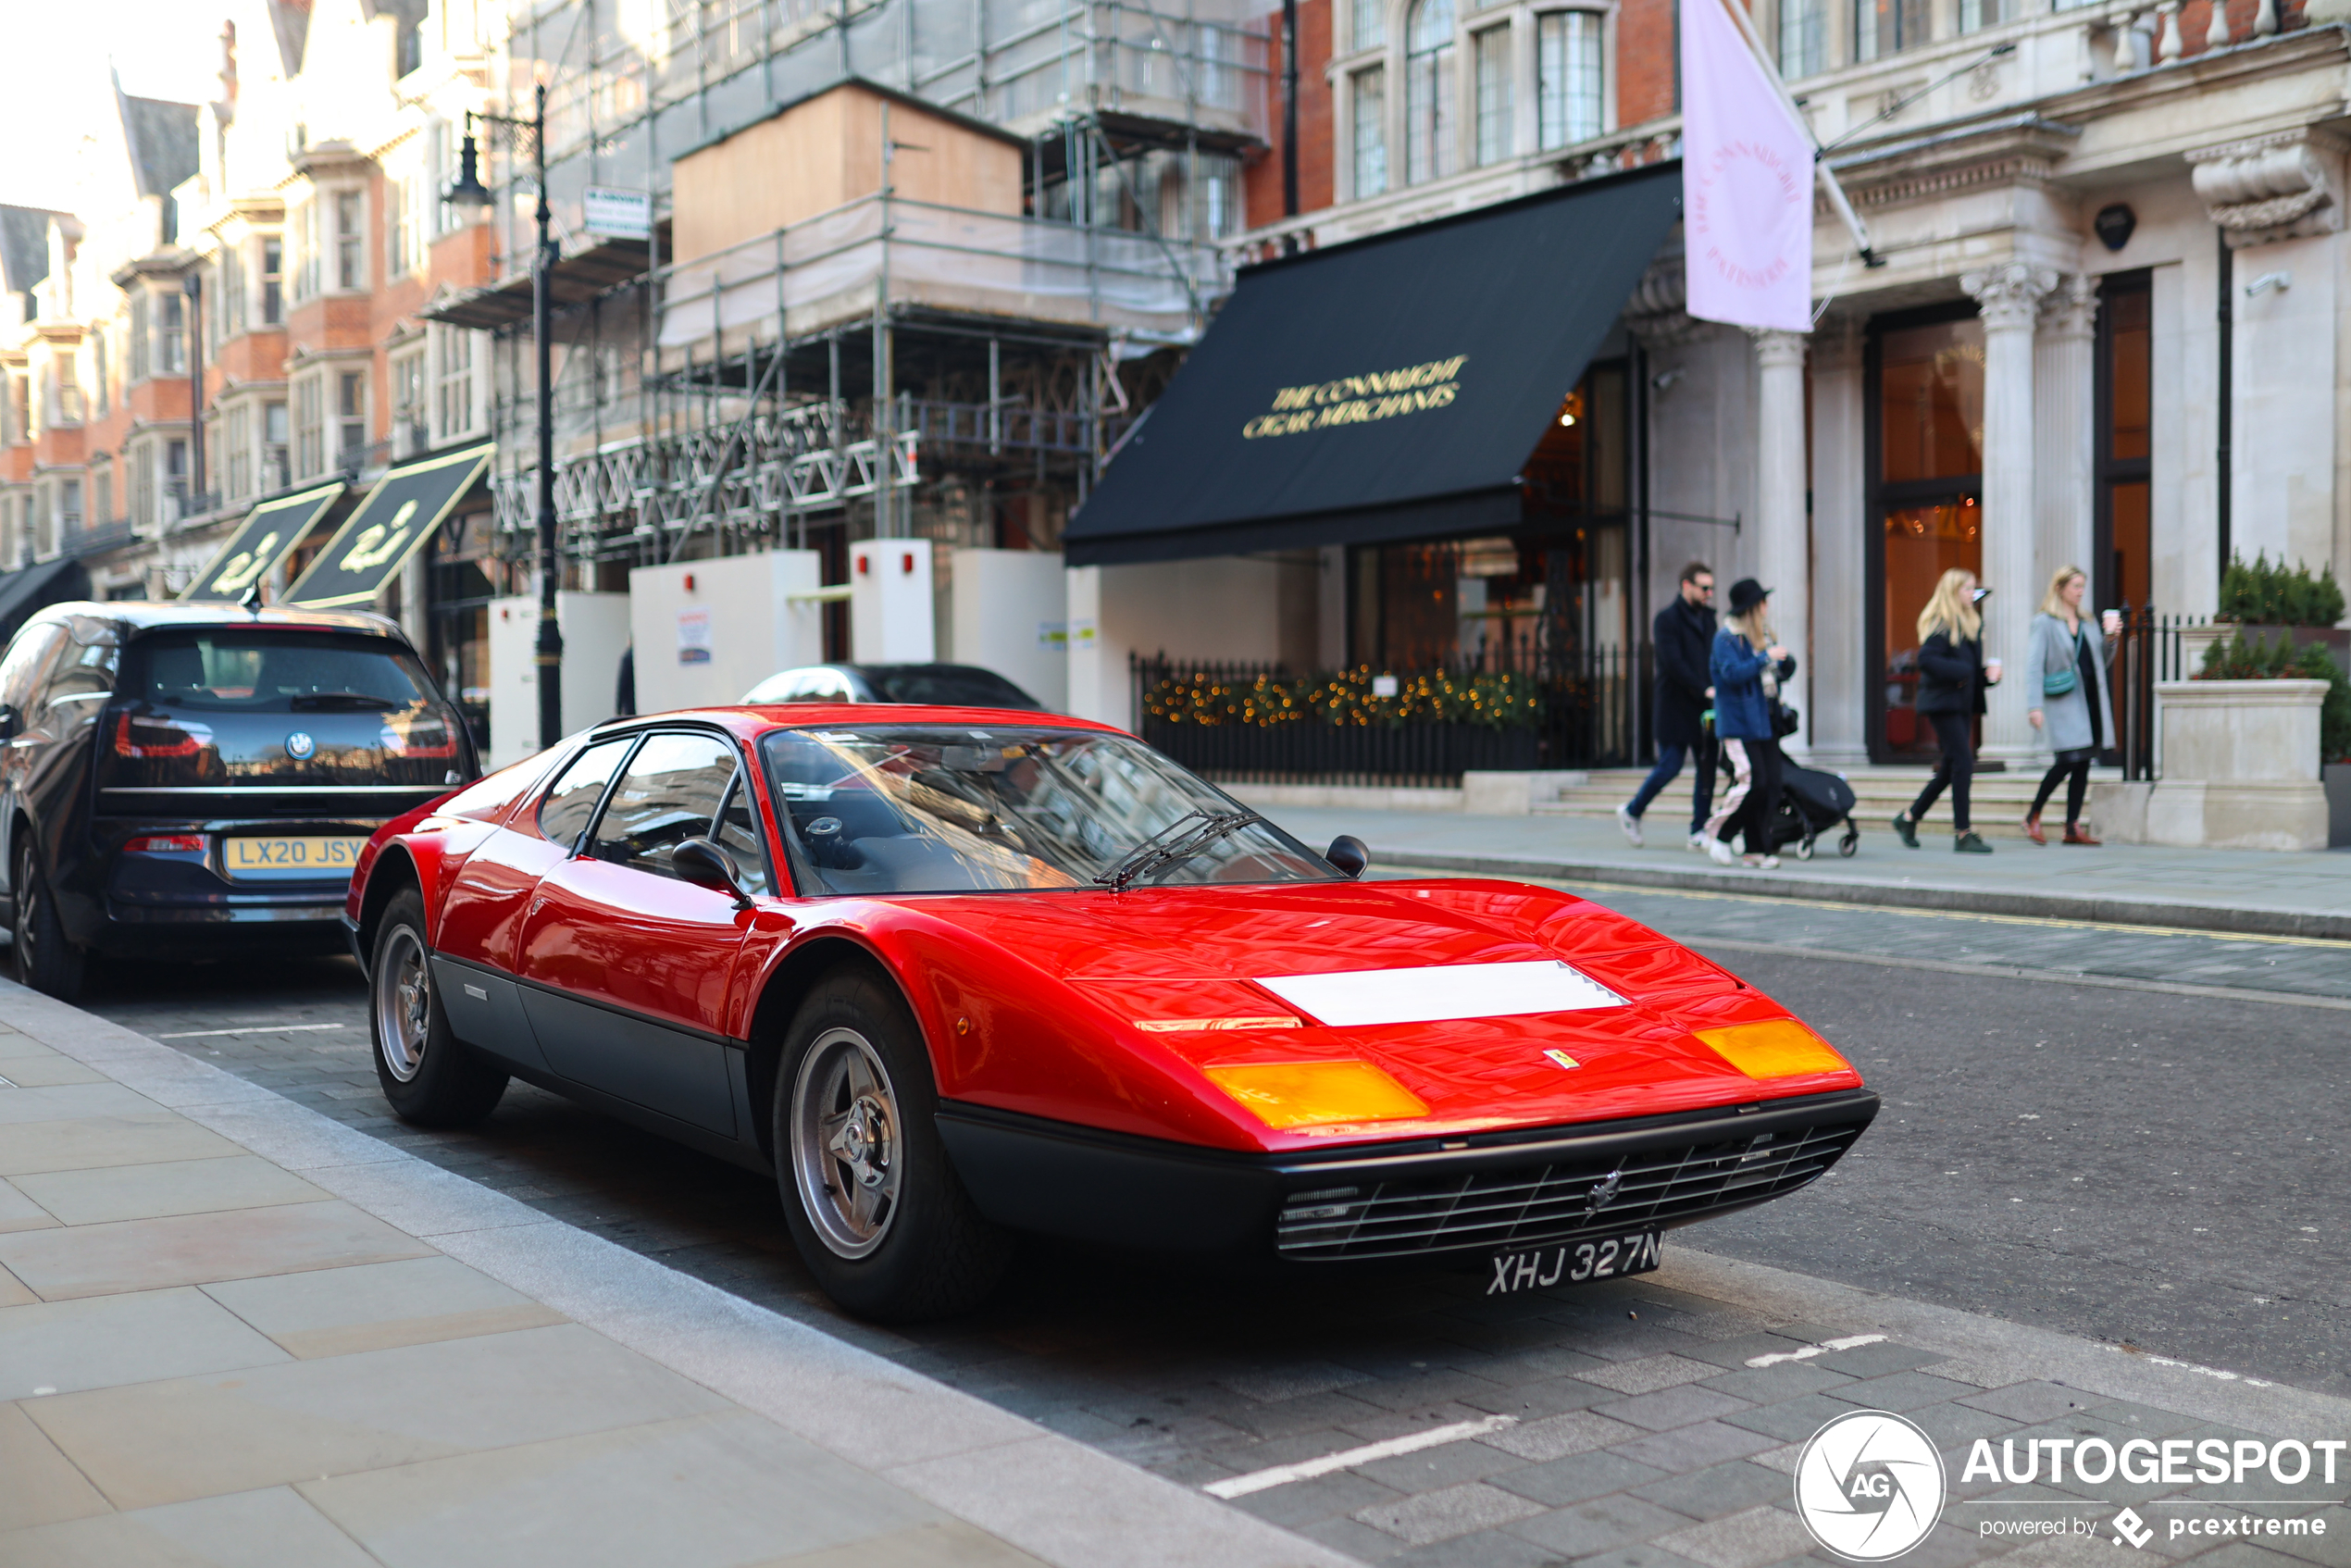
x: 1826, y: 1347
x: 1346, y: 1459
x: 2191, y: 1366
x: 251, y: 1029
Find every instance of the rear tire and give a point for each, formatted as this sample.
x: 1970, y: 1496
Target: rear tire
x: 874, y: 1207
x: 432, y: 1079
x: 45, y: 960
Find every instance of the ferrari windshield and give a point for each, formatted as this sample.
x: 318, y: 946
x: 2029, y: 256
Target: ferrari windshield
x: 945, y: 808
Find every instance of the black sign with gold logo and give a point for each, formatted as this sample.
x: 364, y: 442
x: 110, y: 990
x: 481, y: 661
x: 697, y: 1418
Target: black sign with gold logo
x: 266, y: 536
x: 1391, y: 388
x: 389, y: 526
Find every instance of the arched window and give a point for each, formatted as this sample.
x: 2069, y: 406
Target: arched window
x: 1428, y: 92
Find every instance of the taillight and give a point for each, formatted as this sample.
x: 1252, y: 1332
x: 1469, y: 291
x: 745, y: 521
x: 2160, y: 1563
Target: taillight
x: 169, y: 843
x: 139, y: 735
x: 419, y: 737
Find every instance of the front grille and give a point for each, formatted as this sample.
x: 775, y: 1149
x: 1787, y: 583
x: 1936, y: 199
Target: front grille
x: 1536, y: 1205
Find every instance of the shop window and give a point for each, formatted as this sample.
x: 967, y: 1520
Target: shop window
x: 2123, y: 573
x: 1570, y: 100
x: 1492, y: 50
x: 1927, y: 480
x: 1369, y: 27
x: 1368, y: 104
x: 1428, y: 93
x: 1804, y: 38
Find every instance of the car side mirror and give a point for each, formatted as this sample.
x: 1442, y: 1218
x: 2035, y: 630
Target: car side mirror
x: 1347, y: 852
x: 706, y: 865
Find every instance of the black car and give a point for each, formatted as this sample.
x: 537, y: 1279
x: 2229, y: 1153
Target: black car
x: 190, y: 781
x: 948, y: 686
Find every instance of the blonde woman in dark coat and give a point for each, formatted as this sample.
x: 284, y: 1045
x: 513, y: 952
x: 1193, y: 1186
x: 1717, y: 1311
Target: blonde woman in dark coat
x: 2065, y: 663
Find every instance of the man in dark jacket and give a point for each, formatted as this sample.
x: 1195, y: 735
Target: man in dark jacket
x: 1683, y: 636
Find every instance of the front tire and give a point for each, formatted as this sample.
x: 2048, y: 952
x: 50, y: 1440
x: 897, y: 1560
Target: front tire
x: 45, y: 960
x: 874, y: 1207
x: 432, y: 1079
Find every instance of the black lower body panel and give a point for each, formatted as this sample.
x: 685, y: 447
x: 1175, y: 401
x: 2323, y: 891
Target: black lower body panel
x: 1422, y: 1200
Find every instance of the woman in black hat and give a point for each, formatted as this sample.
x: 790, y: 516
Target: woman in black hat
x: 1748, y: 667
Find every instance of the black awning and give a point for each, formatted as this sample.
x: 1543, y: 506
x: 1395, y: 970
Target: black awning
x: 28, y: 589
x: 392, y: 524
x: 1387, y: 389
x: 268, y: 536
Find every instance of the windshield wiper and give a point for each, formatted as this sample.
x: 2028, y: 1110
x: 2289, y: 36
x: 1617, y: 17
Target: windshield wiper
x: 1158, y: 852
x: 354, y: 700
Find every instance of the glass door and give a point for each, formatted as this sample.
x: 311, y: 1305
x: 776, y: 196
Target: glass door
x: 1926, y: 413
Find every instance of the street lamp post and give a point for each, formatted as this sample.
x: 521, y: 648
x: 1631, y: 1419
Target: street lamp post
x: 468, y: 190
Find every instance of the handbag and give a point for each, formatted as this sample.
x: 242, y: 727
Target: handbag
x: 2062, y: 683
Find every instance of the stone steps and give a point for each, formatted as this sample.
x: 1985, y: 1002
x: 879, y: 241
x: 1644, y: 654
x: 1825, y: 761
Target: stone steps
x: 1997, y: 801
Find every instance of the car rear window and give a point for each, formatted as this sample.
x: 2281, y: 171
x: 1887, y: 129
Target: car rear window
x: 239, y: 670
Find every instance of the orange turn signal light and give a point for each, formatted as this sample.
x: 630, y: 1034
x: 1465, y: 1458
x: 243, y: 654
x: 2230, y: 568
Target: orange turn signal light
x: 1781, y: 1048
x: 1308, y: 1094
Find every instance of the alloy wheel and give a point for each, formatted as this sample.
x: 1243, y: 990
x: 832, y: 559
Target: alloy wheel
x: 846, y: 1143
x: 403, y: 1004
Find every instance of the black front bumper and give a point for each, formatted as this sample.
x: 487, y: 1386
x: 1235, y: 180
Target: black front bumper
x: 1429, y: 1199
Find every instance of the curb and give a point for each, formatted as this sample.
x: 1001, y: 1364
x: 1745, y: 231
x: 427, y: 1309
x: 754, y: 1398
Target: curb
x: 1972, y: 901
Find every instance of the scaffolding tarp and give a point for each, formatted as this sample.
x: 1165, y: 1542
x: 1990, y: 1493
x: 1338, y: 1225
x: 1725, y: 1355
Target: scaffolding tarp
x: 1387, y: 389
x: 268, y: 536
x: 392, y: 524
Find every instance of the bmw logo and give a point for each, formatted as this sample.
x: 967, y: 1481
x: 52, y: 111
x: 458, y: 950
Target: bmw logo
x: 299, y: 745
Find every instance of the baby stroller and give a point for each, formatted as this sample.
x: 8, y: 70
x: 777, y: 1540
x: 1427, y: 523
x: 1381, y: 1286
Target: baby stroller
x: 1810, y: 803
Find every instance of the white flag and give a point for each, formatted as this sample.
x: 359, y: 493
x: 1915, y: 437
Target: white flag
x: 1747, y: 181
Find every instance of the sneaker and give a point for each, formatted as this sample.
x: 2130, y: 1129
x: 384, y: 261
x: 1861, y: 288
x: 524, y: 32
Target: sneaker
x: 1761, y: 862
x: 1971, y: 843
x: 1719, y: 853
x: 1906, y: 830
x: 1631, y: 824
x: 1698, y: 841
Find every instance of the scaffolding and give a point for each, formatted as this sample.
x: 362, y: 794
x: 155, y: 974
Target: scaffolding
x: 888, y: 366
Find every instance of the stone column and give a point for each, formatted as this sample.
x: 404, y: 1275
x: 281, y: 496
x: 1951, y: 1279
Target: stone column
x: 1783, y: 546
x: 2065, y: 412
x: 2008, y: 296
x: 1840, y: 548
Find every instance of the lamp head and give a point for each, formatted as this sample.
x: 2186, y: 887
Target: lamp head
x: 468, y: 190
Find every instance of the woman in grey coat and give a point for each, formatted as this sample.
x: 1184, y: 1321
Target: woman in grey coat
x: 2066, y: 664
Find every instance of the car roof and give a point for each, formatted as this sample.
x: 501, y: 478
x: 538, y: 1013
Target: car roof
x: 751, y: 721
x: 148, y: 615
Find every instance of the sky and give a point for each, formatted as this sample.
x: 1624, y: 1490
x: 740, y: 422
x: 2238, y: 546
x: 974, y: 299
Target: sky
x: 163, y: 48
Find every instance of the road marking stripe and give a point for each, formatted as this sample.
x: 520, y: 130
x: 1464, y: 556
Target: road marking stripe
x: 2189, y: 1366
x: 1826, y: 1347
x: 2009, y: 972
x: 251, y: 1029
x: 1346, y: 1459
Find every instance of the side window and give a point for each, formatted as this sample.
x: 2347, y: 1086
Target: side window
x: 27, y: 658
x: 670, y: 793
x: 737, y: 832
x: 563, y: 815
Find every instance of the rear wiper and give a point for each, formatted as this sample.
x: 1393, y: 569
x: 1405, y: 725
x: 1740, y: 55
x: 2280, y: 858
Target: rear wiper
x: 342, y: 700
x: 1158, y: 852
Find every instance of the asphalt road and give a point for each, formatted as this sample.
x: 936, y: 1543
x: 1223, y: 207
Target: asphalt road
x: 2090, y: 1155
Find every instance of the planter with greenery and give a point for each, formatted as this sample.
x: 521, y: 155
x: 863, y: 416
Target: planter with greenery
x: 2243, y: 741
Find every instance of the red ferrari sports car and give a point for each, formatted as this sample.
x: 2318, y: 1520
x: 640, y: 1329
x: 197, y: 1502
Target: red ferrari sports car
x: 952, y: 974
